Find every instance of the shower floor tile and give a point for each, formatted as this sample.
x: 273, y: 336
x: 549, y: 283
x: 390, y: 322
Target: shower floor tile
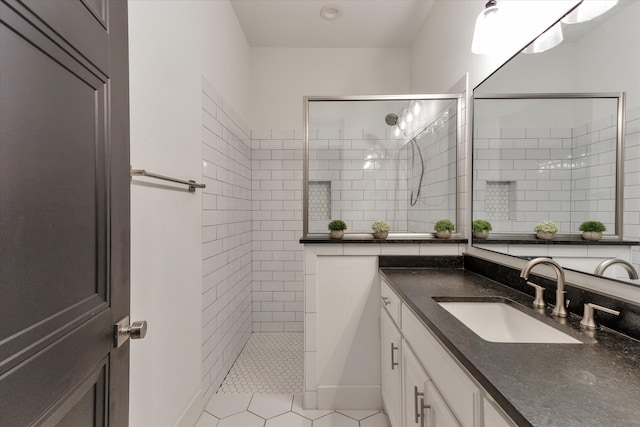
x: 271, y: 362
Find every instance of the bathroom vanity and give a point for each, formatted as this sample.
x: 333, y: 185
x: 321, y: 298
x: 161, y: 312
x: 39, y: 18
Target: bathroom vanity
x: 438, y: 372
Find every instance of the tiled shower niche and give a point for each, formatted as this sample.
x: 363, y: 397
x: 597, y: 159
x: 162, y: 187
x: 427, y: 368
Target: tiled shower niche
x: 500, y: 200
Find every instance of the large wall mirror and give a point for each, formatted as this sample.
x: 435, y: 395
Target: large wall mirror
x: 556, y: 136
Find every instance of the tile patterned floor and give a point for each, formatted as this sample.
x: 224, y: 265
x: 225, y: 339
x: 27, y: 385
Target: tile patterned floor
x: 264, y: 389
x: 271, y: 362
x: 280, y: 410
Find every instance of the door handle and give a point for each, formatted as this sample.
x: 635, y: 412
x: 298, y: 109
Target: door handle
x: 123, y: 330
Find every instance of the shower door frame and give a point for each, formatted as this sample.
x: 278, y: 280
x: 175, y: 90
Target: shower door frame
x: 458, y: 98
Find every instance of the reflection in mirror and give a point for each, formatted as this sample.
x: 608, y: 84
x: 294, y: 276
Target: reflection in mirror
x: 601, y: 56
x: 547, y: 158
x: 372, y: 159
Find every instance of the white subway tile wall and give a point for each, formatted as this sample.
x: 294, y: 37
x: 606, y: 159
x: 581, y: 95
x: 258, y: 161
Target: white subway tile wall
x: 367, y: 175
x: 226, y: 238
x: 278, y: 289
x: 370, y: 180
x: 553, y: 172
x: 437, y: 200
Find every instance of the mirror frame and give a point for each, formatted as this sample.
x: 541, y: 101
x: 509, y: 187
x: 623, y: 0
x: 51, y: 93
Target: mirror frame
x: 620, y: 139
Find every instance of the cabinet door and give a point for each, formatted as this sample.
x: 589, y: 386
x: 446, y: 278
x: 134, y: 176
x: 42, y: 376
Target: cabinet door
x: 493, y: 417
x: 436, y: 411
x: 391, y: 373
x: 414, y: 379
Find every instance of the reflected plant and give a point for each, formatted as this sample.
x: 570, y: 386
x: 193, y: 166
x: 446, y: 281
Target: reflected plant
x: 546, y: 227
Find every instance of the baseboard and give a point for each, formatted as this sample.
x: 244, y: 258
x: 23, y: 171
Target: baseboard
x: 192, y: 412
x: 350, y: 397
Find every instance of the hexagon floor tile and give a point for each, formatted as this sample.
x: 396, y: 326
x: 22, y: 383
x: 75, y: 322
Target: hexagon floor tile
x: 378, y: 420
x: 357, y: 414
x: 335, y: 420
x: 243, y: 419
x: 312, y: 414
x: 224, y: 405
x: 290, y: 419
x: 270, y: 362
x: 207, y: 420
x: 269, y: 405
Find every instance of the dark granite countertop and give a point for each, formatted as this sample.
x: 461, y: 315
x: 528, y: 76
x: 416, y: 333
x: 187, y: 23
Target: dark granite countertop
x: 592, y: 384
x: 561, y: 239
x: 394, y: 238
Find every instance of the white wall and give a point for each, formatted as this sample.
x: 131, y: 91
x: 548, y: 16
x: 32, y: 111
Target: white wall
x: 280, y: 77
x: 172, y: 45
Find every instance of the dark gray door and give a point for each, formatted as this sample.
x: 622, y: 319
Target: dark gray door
x: 64, y: 212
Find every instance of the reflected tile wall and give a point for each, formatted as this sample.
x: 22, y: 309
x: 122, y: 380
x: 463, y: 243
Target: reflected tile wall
x: 565, y: 175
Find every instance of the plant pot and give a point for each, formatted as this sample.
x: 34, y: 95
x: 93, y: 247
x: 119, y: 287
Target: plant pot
x: 444, y: 234
x: 380, y: 234
x: 481, y: 234
x: 592, y: 235
x: 336, y: 234
x: 543, y: 235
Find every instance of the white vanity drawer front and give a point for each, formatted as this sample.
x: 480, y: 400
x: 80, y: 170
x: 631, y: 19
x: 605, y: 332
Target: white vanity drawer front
x: 390, y: 301
x: 454, y: 385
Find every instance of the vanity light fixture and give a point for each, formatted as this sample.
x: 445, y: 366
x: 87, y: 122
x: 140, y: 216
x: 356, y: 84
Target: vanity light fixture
x: 331, y: 12
x: 487, y: 29
x: 588, y: 10
x: 547, y: 40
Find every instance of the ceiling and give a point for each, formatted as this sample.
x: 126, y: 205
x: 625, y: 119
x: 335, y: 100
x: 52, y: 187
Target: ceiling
x: 363, y: 23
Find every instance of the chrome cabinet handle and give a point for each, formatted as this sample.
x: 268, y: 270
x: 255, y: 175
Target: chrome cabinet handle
x: 418, y: 412
x: 393, y: 359
x: 422, y: 408
x: 385, y: 300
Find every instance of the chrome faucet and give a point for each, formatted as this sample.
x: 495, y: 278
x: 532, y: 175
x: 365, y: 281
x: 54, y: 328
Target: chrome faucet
x: 631, y: 271
x: 559, y: 310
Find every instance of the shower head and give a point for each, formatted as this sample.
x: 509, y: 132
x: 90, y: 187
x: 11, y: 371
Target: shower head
x: 391, y: 119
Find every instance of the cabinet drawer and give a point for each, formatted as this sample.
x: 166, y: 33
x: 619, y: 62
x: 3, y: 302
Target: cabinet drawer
x: 457, y: 389
x: 390, y: 301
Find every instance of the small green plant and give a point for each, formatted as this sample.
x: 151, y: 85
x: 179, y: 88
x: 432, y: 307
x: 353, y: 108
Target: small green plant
x: 380, y: 226
x: 592, y: 226
x: 337, y: 224
x: 444, y: 224
x: 546, y: 227
x: 481, y: 225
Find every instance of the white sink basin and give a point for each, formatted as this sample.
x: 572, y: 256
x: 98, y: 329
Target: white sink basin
x: 500, y: 322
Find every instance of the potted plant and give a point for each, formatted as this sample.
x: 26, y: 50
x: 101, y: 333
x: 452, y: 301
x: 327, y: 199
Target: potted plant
x: 337, y: 228
x: 481, y: 228
x: 443, y: 228
x: 380, y: 229
x: 592, y: 230
x: 546, y: 230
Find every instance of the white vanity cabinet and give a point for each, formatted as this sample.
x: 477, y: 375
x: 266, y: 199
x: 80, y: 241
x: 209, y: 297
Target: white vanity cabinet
x: 391, y: 370
x: 422, y: 404
x: 436, y: 389
x: 493, y: 416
